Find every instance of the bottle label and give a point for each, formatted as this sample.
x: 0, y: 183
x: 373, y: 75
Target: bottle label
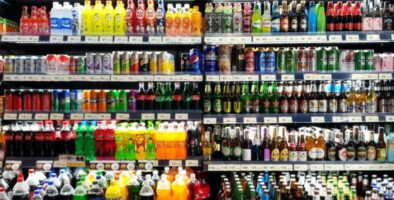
x: 267, y: 25
x: 294, y: 24
x: 303, y: 25
x: 293, y: 156
x: 237, y: 152
x: 371, y: 153
x: 227, y: 106
x: 207, y: 105
x: 304, y: 106
x: 226, y: 151
x: 342, y: 154
x: 312, y: 153
x: 284, y: 155
x: 362, y: 153
x: 267, y: 154
x: 256, y: 106
x: 350, y: 153
x: 237, y: 106
x: 377, y: 23
x: 332, y: 153
x: 320, y: 153
x: 388, y: 23
x: 217, y: 105
x: 342, y: 105
x: 275, y: 25
x: 367, y: 23
x: 371, y: 106
x: 284, y: 106
x: 302, y: 155
x: 382, y: 154
x: 275, y: 155
x: 284, y: 24
x: 332, y: 106
x: 294, y: 106
x: 246, y: 154
x: 256, y: 24
x: 323, y: 105
x: 313, y: 106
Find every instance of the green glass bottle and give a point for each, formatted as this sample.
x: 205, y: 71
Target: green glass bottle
x: 274, y: 99
x: 236, y: 101
x: 186, y: 97
x: 167, y: 97
x: 217, y: 99
x: 256, y: 18
x: 227, y: 99
x: 254, y: 97
x: 246, y: 103
x: 264, y: 98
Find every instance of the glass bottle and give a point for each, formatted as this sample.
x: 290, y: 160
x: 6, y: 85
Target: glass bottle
x: 226, y: 144
x: 284, y: 100
x: 207, y: 149
x: 301, y: 148
x: 381, y: 146
x: 362, y: 99
x: 292, y: 147
x: 237, y: 144
x: 352, y: 99
x: 256, y: 18
x: 372, y: 99
x: 332, y: 100
x: 274, y: 98
x: 227, y: 98
x: 266, y: 149
x: 264, y: 98
x: 293, y: 18
x: 322, y: 99
x: 371, y: 147
x: 284, y: 152
x: 246, y: 103
x: 293, y: 100
x: 387, y: 18
x: 217, y: 99
x: 350, y: 145
x: 303, y: 99
x: 361, y: 146
x: 303, y: 18
x: 255, y: 100
x: 246, y: 146
x: 207, y: 99
x: 177, y: 96
x: 275, y: 25
x: 236, y: 102
x: 217, y: 139
x: 284, y: 18
x: 266, y: 18
x: 274, y: 146
x: 331, y: 147
x: 320, y: 146
x: 310, y: 144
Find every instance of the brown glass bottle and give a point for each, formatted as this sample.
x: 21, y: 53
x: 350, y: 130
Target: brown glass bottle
x: 350, y: 146
x: 284, y: 18
x: 342, y: 100
x: 320, y: 146
x: 303, y: 99
x: 332, y: 100
x: 313, y: 99
x: 246, y: 147
x: 274, y: 146
x: 310, y: 145
x: 371, y: 147
x: 322, y: 99
x: 227, y: 99
x: 301, y: 148
x: 265, y: 148
x: 292, y: 147
x: 361, y: 146
x: 284, y: 100
x: 293, y: 100
x: 331, y: 147
x: 236, y: 100
x: 284, y: 151
x: 381, y: 146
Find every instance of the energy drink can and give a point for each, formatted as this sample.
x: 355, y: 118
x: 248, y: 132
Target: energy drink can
x: 27, y: 100
x: 194, y: 61
x: 102, y: 101
x: 121, y: 101
x: 125, y: 62
x: 81, y: 67
x: 321, y: 56
x: 98, y: 64
x: 8, y: 65
x: 281, y: 60
x: 90, y: 63
x: 135, y: 63
x: 359, y: 60
x: 107, y: 63
x: 111, y: 100
x: 259, y: 60
x: 346, y: 59
x: 132, y: 101
x: 29, y: 65
x: 19, y: 65
x: 36, y: 100
x: 116, y: 62
x: 93, y: 100
x: 369, y: 59
x: 210, y: 58
x: 291, y: 60
x: 153, y: 66
x: 86, y: 101
x: 46, y: 99
x: 144, y: 62
x: 270, y: 61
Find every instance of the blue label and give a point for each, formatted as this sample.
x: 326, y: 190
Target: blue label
x: 66, y: 23
x: 55, y: 23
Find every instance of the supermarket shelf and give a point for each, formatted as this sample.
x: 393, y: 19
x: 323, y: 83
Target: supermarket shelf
x: 101, y: 78
x: 144, y: 115
x: 299, y: 38
x: 307, y: 76
x: 82, y: 1
x: 26, y: 162
x: 289, y: 118
x: 129, y: 40
x: 297, y: 166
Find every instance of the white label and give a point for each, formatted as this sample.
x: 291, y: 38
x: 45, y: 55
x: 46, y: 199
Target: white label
x: 122, y: 116
x: 285, y: 120
x: 352, y: 38
x: 167, y: 39
x: 334, y: 167
x: 248, y: 77
x: 224, y: 78
x: 91, y: 39
x: 270, y: 120
x: 373, y: 37
x: 250, y: 120
x: 121, y: 39
x: 91, y: 116
x: 209, y: 120
x: 316, y: 167
x: 365, y: 76
x: 385, y: 76
x: 175, y: 163
x: 355, y: 119
x: 212, y: 78
x: 389, y: 118
x: 56, y: 39
x: 76, y: 116
x: 74, y: 39
x: 31, y: 38
x: 353, y: 167
x: 135, y: 40
x: 10, y: 116
x: 104, y: 116
x: 154, y: 39
x: 41, y: 116
x: 300, y: 167
x: 372, y: 118
x: 56, y: 116
x: 9, y: 38
x: 213, y: 167
x: 268, y: 77
x: 335, y: 38
x: 181, y: 116
x: 163, y: 116
x: 339, y: 119
x: 106, y: 39
x: 147, y: 116
x: 287, y: 77
x: 317, y: 119
x: 191, y: 163
x: 229, y: 120
x: 25, y: 116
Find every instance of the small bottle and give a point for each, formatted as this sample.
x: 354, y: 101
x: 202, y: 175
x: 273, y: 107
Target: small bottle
x: 377, y: 22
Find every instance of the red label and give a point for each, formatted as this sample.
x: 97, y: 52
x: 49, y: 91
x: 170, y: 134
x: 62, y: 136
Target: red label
x: 8, y: 137
x: 18, y: 137
x: 64, y: 136
x: 177, y: 97
x: 27, y: 137
x: 196, y: 97
x: 141, y: 97
x: 150, y: 97
x: 49, y: 137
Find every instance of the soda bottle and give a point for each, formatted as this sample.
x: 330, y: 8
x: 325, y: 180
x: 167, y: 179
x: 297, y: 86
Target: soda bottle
x: 186, y: 20
x: 89, y: 142
x: 120, y: 18
x: 140, y: 142
x: 150, y: 17
x: 36, y: 196
x: 66, y: 143
x: 80, y: 192
x: 43, y: 25
x: 177, y: 26
x: 180, y: 138
x: 109, y: 139
x: 163, y: 189
x: 51, y: 192
x: 208, y: 18
x: 79, y: 139
x: 20, y: 190
x: 67, y: 191
x: 108, y: 18
x: 28, y: 138
x: 49, y: 139
x: 55, y: 180
x: 217, y: 18
x: 179, y: 188
x: 87, y: 19
x: 18, y: 138
x: 256, y: 18
x: 32, y: 181
x: 63, y: 177
x: 95, y: 192
x: 141, y: 96
x: 237, y: 18
x: 129, y: 143
x: 3, y: 183
x: 160, y: 17
x: 34, y: 21
x: 194, y: 187
x: 98, y: 18
x: 247, y: 17
x: 150, y: 145
x: 131, y: 17
x: 146, y: 192
x: 140, y: 15
x: 114, y: 191
x: 119, y: 139
x: 227, y: 18
x: 266, y: 19
x: 99, y: 137
x: 170, y: 20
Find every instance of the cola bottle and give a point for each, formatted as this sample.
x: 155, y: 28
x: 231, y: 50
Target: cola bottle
x: 28, y: 140
x: 9, y: 139
x: 38, y: 130
x: 49, y: 139
x: 65, y: 144
x: 18, y: 138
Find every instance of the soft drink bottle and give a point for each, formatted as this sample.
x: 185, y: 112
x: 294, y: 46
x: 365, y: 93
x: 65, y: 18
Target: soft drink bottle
x: 194, y: 188
x: 65, y: 144
x: 196, y: 21
x: 177, y: 20
x: 133, y: 187
x: 49, y: 138
x: 99, y: 136
x: 18, y: 138
x: 147, y: 190
x: 87, y: 18
x: 120, y: 18
x: 108, y: 18
x: 256, y: 18
x: 43, y: 25
x: 160, y: 17
x: 37, y: 195
x: 32, y: 181
x: 109, y: 139
x: 129, y: 144
x: 51, y: 192
x: 3, y: 183
x: 80, y: 192
x: 34, y: 21
x: 90, y: 146
x: 67, y: 191
x: 67, y: 19
x: 113, y: 191
x: 140, y: 142
x: 55, y: 180
x: 237, y: 18
x: 140, y: 16
x: 38, y: 130
x: 119, y: 139
x: 227, y: 18
x: 79, y: 139
x: 163, y: 189
x: 170, y: 20
x: 150, y: 17
x: 76, y: 19
x: 217, y: 18
x: 247, y: 17
x: 186, y: 20
x: 95, y: 192
x: 179, y: 189
x: 20, y: 191
x: 98, y: 18
x: 150, y: 145
x: 3, y: 195
x: 63, y: 177
x: 208, y: 18
x: 131, y: 18
x: 180, y: 137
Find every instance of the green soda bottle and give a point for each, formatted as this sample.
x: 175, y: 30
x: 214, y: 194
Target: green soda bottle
x: 150, y: 145
x: 90, y: 143
x: 79, y: 139
x: 134, y: 187
x: 256, y: 18
x: 80, y: 192
x: 120, y: 153
x: 130, y: 153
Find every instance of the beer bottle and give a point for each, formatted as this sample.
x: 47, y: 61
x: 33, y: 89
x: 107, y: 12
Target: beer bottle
x: 361, y: 146
x: 293, y: 100
x: 293, y: 18
x: 371, y: 147
x: 207, y: 149
x: 266, y: 150
x: 303, y: 100
x: 246, y: 146
x: 310, y: 144
x: 362, y: 99
x: 236, y: 101
x: 391, y: 98
x: 274, y: 146
x: 239, y: 58
x: 217, y: 99
x: 141, y: 97
x: 341, y: 148
x: 371, y: 97
x: 177, y: 97
x: 284, y: 152
x: 245, y: 99
x: 237, y: 144
x: 292, y: 148
x: 387, y: 18
x: 303, y: 19
x: 342, y: 100
x: 226, y: 144
x: 301, y: 149
x: 350, y: 145
x: 322, y: 99
x: 284, y: 18
x: 168, y: 97
x: 352, y: 99
x: 274, y: 98
x: 284, y: 99
x: 195, y: 101
x: 331, y: 148
x: 256, y: 144
x: 254, y: 96
x: 150, y: 97
x: 381, y: 146
x: 217, y: 139
x: 264, y: 98
x: 186, y: 97
x: 383, y: 96
x: 313, y: 99
x: 227, y: 99
x: 320, y: 146
x: 332, y: 100
x: 207, y: 98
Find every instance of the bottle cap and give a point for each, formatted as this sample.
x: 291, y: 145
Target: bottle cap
x: 2, y: 189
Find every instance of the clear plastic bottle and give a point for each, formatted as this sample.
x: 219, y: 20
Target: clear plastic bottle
x: 3, y: 195
x: 3, y: 183
x: 51, y: 192
x: 163, y: 189
x: 95, y: 192
x: 32, y: 180
x: 20, y: 191
x: 37, y: 195
x: 56, y: 182
x: 133, y: 187
x: 67, y: 191
x: 63, y: 177
x: 147, y: 192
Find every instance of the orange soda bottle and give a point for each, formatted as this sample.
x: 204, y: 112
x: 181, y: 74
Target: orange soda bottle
x: 179, y: 189
x: 150, y: 17
x: 186, y: 20
x: 170, y: 20
x: 196, y: 21
x: 163, y: 189
x: 177, y: 20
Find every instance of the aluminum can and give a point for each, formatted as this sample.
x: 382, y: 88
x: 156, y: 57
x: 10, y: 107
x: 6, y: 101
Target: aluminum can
x: 116, y: 62
x: 291, y: 60
x: 86, y: 101
x: 76, y: 100
x: 132, y: 101
x: 81, y: 66
x: 312, y: 59
x: 17, y: 102
x: 28, y: 67
x: 302, y: 60
x: 359, y: 60
x: 259, y: 60
x: 102, y: 101
x: 346, y: 59
x: 321, y: 57
x: 40, y: 65
x: 36, y: 100
x: 333, y: 59
x: 121, y: 102
x: 65, y: 101
x: 98, y: 64
x: 194, y: 61
x: 224, y: 58
x: 93, y: 100
x: 9, y: 64
x: 281, y: 60
x: 270, y: 61
x: 46, y: 99
x: 19, y: 64
x: 369, y: 59
x: 210, y: 58
x: 107, y: 63
x: 134, y: 66
x: 112, y: 96
x: 144, y: 62
x: 184, y: 59
x: 72, y: 69
x: 249, y: 60
x: 153, y: 65
x: 27, y: 102
x: 89, y: 62
x: 8, y: 100
x: 55, y: 107
x: 125, y: 62
x: 377, y: 62
x: 387, y: 62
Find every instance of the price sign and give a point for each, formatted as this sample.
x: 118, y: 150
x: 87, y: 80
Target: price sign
x: 10, y: 116
x: 209, y: 120
x: 334, y: 167
x: 317, y: 119
x: 373, y: 37
x: 355, y: 119
x: 175, y: 163
x: 106, y: 39
x: 77, y: 116
x: 135, y: 40
x: 25, y: 116
x: 352, y: 38
x: 41, y: 116
x: 250, y: 120
x: 147, y: 116
x: 74, y: 39
x: 91, y: 39
x: 181, y: 116
x: 56, y: 39
x: 335, y: 38
x: 122, y: 116
x: 214, y: 168
x: 8, y: 38
x: 389, y: 118
x: 385, y: 76
x: 212, y: 78
x: 300, y: 167
x: 338, y: 119
x: 225, y: 78
x: 352, y: 167
x: 191, y: 163
x: 268, y: 77
x: 372, y: 118
x: 287, y: 77
x: 270, y: 120
x: 229, y: 120
x: 91, y: 116
x: 316, y: 167
x: 45, y: 165
x: 121, y: 39
x: 365, y: 76
x: 285, y: 120
x: 163, y: 116
x: 155, y: 39
x: 104, y: 116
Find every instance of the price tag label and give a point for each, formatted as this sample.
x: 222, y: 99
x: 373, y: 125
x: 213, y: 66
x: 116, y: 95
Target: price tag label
x: 91, y: 39
x: 212, y: 78
x: 385, y: 76
x: 300, y: 167
x: 91, y: 116
x: 250, y: 120
x: 268, y: 77
x: 106, y: 39
x: 389, y: 118
x: 229, y: 120
x: 270, y: 120
x: 352, y: 38
x: 122, y: 116
x: 335, y: 38
x: 191, y: 163
x: 121, y: 39
x: 155, y: 39
x: 334, y: 167
x: 339, y: 119
x: 310, y: 77
x: 76, y: 116
x: 175, y: 163
x: 136, y: 40
x: 213, y: 167
x: 181, y: 116
x: 225, y: 78
x: 163, y: 116
x: 373, y: 37
x: 148, y: 116
x: 9, y: 38
x: 355, y: 119
x: 104, y: 116
x: 32, y: 38
x: 10, y: 116
x: 209, y: 120
x: 25, y: 116
x: 288, y: 77
x: 316, y: 167
x: 285, y: 120
x: 317, y: 119
x: 372, y: 118
x: 56, y: 39
x: 365, y: 76
x: 74, y: 39
x: 353, y: 167
x: 41, y: 116
x: 45, y: 165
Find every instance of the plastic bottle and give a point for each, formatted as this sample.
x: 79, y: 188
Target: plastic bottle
x: 163, y: 189
x: 32, y: 181
x: 101, y: 182
x: 49, y: 138
x: 160, y: 17
x: 65, y: 144
x: 89, y: 142
x: 150, y: 145
x: 208, y: 18
x: 180, y: 138
x: 80, y: 192
x: 150, y: 17
x: 55, y: 181
x: 76, y: 19
x: 186, y: 20
x: 3, y: 195
x: 34, y: 21
x: 113, y: 191
x: 20, y: 191
x: 120, y: 147
x: 217, y: 18
x: 120, y: 18
x: 256, y: 18
x: 99, y: 137
x: 43, y: 26
x: 67, y: 191
x: 140, y: 16
x: 170, y: 17
x: 169, y: 138
x: 3, y: 183
x: 131, y: 18
x: 312, y: 17
x: 227, y: 18
x: 108, y: 18
x: 97, y: 18
x: 24, y: 21
x: 67, y: 19
x: 237, y: 18
x: 177, y: 26
x: 87, y: 19
x: 55, y: 18
x: 95, y: 192
x: 320, y: 17
x: 179, y: 189
x: 51, y: 192
x: 133, y: 188
x: 63, y: 177
x: 194, y: 187
x: 146, y: 192
x: 36, y: 196
x: 140, y: 142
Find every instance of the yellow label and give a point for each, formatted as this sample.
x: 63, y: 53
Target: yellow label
x: 284, y: 155
x: 275, y: 155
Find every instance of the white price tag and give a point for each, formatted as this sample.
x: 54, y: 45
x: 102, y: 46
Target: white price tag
x: 147, y: 116
x: 175, y: 163
x: 56, y: 116
x: 41, y: 116
x: 339, y: 119
x: 155, y: 39
x: 270, y: 120
x: 225, y: 78
x: 334, y: 167
x: 317, y: 119
x: 163, y: 116
x: 316, y: 167
x: 373, y: 37
x: 213, y: 167
x: 229, y: 120
x: 287, y: 77
x: 74, y: 39
x: 365, y: 76
x: 212, y: 78
x: 300, y: 167
x: 352, y: 38
x: 10, y: 116
x: 121, y: 39
x: 56, y: 39
x: 9, y: 38
x: 106, y: 39
x: 353, y: 167
x: 389, y: 118
x: 167, y: 39
x: 209, y: 120
x: 136, y: 40
x: 91, y: 39
x: 181, y: 116
x: 286, y: 120
x: 385, y: 76
x: 250, y: 120
x: 355, y: 119
x: 371, y: 118
x: 122, y: 116
x: 191, y: 163
x: 335, y: 38
x: 310, y: 77
x: 32, y: 38
x: 25, y: 116
x: 268, y: 77
x: 91, y: 116
x: 76, y: 116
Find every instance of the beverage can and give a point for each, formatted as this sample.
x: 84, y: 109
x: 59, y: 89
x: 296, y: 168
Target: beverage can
x: 98, y: 64
x: 89, y: 63
x: 9, y: 64
x: 72, y: 69
x: 121, y: 101
x: 312, y: 59
x: 86, y: 101
x: 144, y: 62
x: 19, y: 65
x: 65, y: 101
x: 102, y: 101
x: 210, y: 58
x: 93, y: 100
x: 184, y: 59
x: 134, y: 62
x: 270, y: 60
x: 36, y: 100
x: 125, y: 62
x: 55, y: 100
x: 29, y: 65
x: 194, y: 61
x: 153, y: 66
x: 224, y: 58
x: 347, y: 60
x: 132, y: 101
x: 8, y: 100
x: 111, y: 100
x: 27, y: 100
x: 377, y: 62
x: 321, y: 56
x: 249, y: 60
x: 107, y: 63
x: 369, y: 59
x: 46, y: 99
x: 259, y: 60
x: 387, y: 62
x: 281, y: 60
x: 291, y: 60
x: 302, y: 59
x: 41, y: 65
x: 116, y: 62
x: 76, y: 98
x: 333, y: 59
x: 17, y: 102
x: 359, y: 60
x: 80, y: 65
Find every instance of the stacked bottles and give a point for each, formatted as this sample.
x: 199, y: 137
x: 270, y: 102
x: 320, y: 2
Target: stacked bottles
x: 305, y: 186
x: 156, y: 97
x: 35, y: 23
x: 272, y: 143
x: 8, y: 26
x: 237, y: 58
x: 298, y: 97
